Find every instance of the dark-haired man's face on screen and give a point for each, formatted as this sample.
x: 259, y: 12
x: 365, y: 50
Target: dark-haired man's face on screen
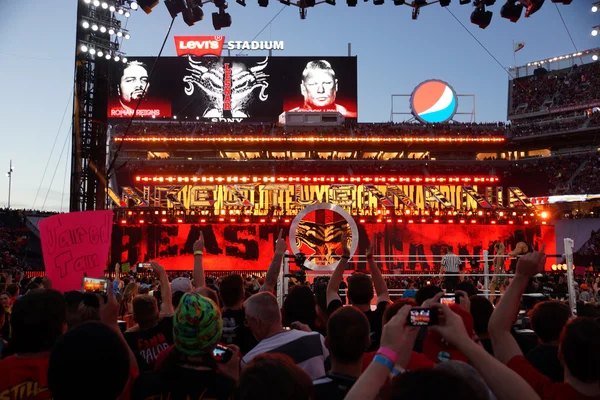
x: 319, y: 89
x: 133, y: 83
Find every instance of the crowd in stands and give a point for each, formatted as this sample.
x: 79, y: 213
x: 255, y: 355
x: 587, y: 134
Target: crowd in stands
x: 348, y: 129
x: 19, y: 248
x: 579, y: 84
x: 153, y: 337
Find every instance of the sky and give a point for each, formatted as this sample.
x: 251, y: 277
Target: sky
x: 395, y: 54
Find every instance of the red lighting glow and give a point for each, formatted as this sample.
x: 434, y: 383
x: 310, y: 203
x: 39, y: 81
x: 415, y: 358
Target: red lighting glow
x: 273, y: 220
x: 123, y: 221
x: 203, y: 221
x: 418, y: 180
x: 141, y: 221
x: 510, y: 222
x: 163, y: 220
x: 244, y: 139
x: 411, y: 221
x: 180, y: 221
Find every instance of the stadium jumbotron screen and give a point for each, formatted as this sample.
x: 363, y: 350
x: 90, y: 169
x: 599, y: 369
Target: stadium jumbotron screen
x: 233, y: 89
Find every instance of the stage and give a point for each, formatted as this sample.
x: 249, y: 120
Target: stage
x: 249, y: 247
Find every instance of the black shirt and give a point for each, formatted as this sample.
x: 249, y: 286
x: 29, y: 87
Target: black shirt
x: 545, y: 359
x: 333, y: 386
x: 150, y: 343
x: 375, y: 320
x: 182, y: 384
x: 235, y: 332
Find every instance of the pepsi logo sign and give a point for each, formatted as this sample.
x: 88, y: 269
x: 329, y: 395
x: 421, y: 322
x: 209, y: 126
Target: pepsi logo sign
x: 433, y: 102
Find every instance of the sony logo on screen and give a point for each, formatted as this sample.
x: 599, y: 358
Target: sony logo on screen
x: 213, y: 45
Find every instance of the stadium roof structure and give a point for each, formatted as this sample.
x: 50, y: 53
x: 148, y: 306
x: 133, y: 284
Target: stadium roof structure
x: 558, y: 62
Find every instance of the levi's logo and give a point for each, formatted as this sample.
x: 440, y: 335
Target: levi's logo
x: 199, y: 45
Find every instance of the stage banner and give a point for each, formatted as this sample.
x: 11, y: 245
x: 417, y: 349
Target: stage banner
x: 230, y: 89
x: 75, y: 245
x: 242, y: 247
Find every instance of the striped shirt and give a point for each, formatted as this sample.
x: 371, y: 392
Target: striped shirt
x: 307, y: 349
x: 451, y: 262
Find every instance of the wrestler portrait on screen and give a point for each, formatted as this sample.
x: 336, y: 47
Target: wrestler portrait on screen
x: 131, y: 88
x: 319, y: 88
x: 133, y: 85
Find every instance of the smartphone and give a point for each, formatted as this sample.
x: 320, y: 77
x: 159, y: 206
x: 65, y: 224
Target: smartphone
x: 144, y: 267
x: 423, y: 317
x: 450, y: 298
x: 222, y: 354
x: 95, y: 285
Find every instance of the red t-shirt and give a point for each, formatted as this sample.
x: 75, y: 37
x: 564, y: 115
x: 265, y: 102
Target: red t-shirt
x: 24, y: 378
x: 543, y: 386
x: 417, y: 361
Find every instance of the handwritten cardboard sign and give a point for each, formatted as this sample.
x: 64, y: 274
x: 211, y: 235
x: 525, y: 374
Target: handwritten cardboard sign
x: 75, y: 244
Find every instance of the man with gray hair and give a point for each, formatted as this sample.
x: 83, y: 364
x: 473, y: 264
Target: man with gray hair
x: 319, y: 87
x: 263, y: 317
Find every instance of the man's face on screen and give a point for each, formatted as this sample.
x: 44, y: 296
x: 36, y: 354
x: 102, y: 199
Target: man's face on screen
x: 319, y: 89
x: 133, y: 83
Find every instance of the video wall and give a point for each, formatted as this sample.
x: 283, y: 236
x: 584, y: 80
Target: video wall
x: 251, y: 246
x: 232, y: 89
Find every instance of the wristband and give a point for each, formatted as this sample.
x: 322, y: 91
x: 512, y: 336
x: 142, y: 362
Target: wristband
x: 384, y: 361
x: 397, y: 371
x: 389, y: 354
x: 198, y: 252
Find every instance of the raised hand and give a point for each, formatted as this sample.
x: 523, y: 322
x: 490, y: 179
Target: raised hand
x: 531, y: 264
x: 158, y: 269
x: 451, y: 326
x: 199, y: 244
x: 280, y: 244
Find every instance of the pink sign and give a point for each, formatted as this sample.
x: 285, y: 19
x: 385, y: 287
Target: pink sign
x: 75, y: 244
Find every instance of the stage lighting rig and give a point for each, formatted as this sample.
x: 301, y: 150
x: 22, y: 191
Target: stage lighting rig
x: 480, y: 16
x: 532, y: 6
x: 221, y: 19
x: 511, y: 10
x: 596, y: 7
x: 193, y: 14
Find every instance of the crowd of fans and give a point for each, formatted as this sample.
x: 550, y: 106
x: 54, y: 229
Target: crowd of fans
x: 579, y: 84
x: 348, y: 129
x: 152, y: 337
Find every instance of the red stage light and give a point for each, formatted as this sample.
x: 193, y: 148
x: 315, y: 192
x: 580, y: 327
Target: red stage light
x: 287, y: 221
x: 462, y: 221
x: 180, y: 221
x: 400, y: 221
x: 163, y: 220
x: 274, y: 220
x: 423, y: 221
x: 141, y: 221
x: 232, y: 220
x: 378, y: 220
x: 410, y: 221
x: 436, y: 221
x: 129, y: 212
x: 493, y: 222
x: 526, y: 222
x: 511, y: 222
x: 123, y: 221
x: 389, y: 220
x: 246, y: 220
x: 450, y: 221
x: 203, y: 221
x: 262, y: 221
x: 473, y: 221
x: 362, y: 221
x: 221, y: 219
x: 155, y: 212
x: 543, y: 222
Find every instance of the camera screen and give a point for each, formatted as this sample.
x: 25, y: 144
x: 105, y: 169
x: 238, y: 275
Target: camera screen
x: 420, y: 317
x: 448, y: 299
x: 94, y: 285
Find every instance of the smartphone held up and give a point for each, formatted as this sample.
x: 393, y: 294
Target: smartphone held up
x: 95, y: 285
x: 423, y: 317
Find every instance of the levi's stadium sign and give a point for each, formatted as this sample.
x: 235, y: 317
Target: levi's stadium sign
x: 213, y: 45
